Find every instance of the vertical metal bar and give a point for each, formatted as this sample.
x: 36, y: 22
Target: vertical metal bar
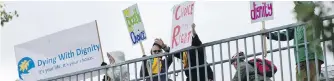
x: 99, y: 75
x: 221, y: 61
x: 166, y: 70
x: 272, y: 55
x: 247, y: 72
x: 264, y: 62
x: 62, y: 78
x: 151, y: 71
x: 306, y: 54
x: 189, y: 65
x: 297, y: 55
x: 77, y: 77
x: 70, y: 78
x: 128, y: 73
x: 121, y: 78
x: 316, y: 55
x: 143, y: 71
x: 280, y: 54
x: 238, y: 61
x: 181, y: 65
x: 289, y: 56
x: 205, y: 64
x: 254, y: 52
x: 197, y: 65
x: 174, y: 67
x: 91, y: 76
x: 159, y: 69
x: 113, y: 73
x: 229, y: 59
x: 325, y: 55
x: 213, y: 60
x: 84, y: 76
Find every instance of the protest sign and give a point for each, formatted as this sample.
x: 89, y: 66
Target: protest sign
x: 183, y: 18
x: 261, y: 11
x: 67, y: 51
x: 135, y: 25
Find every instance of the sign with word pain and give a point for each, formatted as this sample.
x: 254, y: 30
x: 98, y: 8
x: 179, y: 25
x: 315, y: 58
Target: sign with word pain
x: 183, y: 18
x: 261, y: 11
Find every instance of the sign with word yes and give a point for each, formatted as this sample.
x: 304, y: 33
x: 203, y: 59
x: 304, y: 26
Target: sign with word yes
x: 134, y: 24
x: 183, y: 18
x: 261, y: 11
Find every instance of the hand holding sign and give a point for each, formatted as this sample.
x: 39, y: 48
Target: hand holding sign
x: 183, y: 17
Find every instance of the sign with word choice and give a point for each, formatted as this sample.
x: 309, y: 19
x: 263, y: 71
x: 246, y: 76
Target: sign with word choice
x: 261, y: 11
x: 134, y: 24
x: 63, y: 52
x: 183, y: 18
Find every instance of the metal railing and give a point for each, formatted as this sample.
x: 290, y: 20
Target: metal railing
x: 221, y: 68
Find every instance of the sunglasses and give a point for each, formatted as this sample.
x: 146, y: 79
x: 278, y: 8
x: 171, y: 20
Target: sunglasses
x: 157, y: 51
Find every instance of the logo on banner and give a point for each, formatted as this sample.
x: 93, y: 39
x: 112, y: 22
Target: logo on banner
x: 25, y: 65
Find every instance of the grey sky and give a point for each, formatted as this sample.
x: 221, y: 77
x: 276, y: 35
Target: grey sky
x: 214, y: 20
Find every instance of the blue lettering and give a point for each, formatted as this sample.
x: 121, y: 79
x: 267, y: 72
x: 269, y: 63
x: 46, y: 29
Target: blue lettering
x: 40, y: 62
x: 78, y: 51
x: 136, y: 38
x: 62, y: 56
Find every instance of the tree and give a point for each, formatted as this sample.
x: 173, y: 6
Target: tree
x: 6, y: 16
x: 313, y: 15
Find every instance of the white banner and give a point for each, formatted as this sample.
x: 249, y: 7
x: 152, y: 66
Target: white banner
x: 60, y: 53
x: 134, y: 24
x: 261, y: 11
x: 183, y: 18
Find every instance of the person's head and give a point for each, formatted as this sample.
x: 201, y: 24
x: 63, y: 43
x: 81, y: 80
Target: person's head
x: 156, y: 49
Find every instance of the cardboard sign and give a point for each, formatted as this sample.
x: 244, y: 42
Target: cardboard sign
x: 134, y: 24
x: 261, y: 11
x: 67, y: 51
x: 183, y: 18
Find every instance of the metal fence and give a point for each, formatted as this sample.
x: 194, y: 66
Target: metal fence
x: 218, y: 56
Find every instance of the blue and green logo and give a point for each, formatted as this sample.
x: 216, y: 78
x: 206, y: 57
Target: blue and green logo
x: 24, y: 65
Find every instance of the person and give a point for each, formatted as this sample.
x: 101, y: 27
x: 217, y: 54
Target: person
x: 192, y: 55
x: 297, y: 33
x: 158, y: 65
x: 243, y: 74
x: 105, y: 78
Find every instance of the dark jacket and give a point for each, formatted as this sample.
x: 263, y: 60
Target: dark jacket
x: 192, y: 55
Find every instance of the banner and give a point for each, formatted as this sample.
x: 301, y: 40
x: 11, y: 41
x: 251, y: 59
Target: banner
x: 261, y: 11
x: 60, y: 53
x: 183, y: 18
x: 134, y: 24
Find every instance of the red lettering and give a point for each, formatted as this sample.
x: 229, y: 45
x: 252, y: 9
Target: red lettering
x: 177, y: 10
x: 261, y: 10
x: 253, y: 12
x: 189, y: 36
x: 270, y: 8
x: 184, y: 11
x: 175, y: 34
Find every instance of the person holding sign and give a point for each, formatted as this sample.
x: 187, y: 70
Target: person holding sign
x: 297, y: 33
x: 158, y: 64
x: 192, y: 55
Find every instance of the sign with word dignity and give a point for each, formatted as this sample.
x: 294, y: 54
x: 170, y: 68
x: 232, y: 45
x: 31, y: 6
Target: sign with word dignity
x: 261, y: 11
x: 183, y: 18
x: 67, y: 51
x: 134, y: 24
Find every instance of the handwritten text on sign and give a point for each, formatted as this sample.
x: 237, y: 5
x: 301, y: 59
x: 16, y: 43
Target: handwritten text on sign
x: 183, y: 18
x: 261, y: 11
x: 134, y: 24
